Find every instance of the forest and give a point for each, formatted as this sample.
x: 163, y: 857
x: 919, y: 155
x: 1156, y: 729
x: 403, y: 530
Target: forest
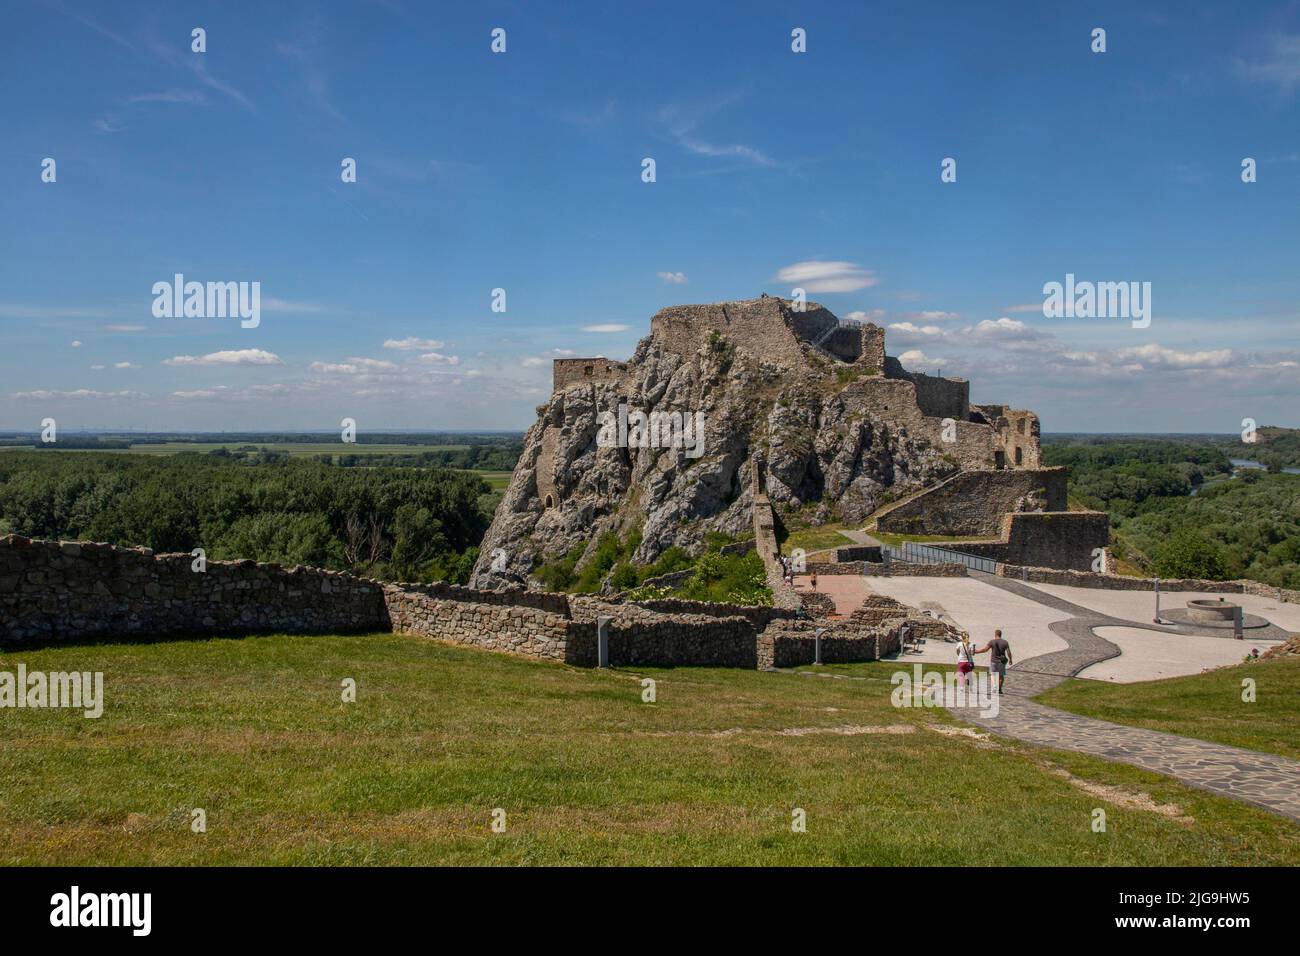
x: 389, y: 522
x: 1180, y: 509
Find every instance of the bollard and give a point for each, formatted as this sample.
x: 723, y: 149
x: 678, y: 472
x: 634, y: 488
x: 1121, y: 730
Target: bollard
x: 817, y: 644
x: 602, y: 641
x: 1024, y: 574
x: 1238, y: 623
x: 1157, y: 587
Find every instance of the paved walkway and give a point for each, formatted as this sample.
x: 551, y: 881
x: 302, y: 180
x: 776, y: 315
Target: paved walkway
x: 1264, y: 780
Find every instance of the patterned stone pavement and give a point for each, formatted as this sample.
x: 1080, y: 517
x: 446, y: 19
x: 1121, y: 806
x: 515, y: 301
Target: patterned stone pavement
x: 1264, y: 780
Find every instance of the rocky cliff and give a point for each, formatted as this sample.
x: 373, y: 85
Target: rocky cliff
x: 840, y: 431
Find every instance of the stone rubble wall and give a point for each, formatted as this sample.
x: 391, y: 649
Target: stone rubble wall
x: 1119, y: 582
x: 54, y: 591
x: 1049, y: 539
x: 524, y: 630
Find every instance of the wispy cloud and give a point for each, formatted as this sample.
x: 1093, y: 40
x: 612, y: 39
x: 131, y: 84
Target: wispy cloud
x: 228, y: 357
x: 413, y: 344
x: 606, y: 327
x: 683, y: 122
x: 816, y: 275
x: 182, y: 57
x: 1278, y: 65
x: 672, y: 278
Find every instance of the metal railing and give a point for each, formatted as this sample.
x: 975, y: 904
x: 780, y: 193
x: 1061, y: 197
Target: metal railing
x: 915, y: 553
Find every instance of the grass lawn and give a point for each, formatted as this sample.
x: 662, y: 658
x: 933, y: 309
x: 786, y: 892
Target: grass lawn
x: 497, y: 480
x: 254, y: 732
x: 1208, y: 706
x: 816, y: 538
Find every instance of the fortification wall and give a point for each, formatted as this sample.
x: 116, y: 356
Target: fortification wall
x: 1054, y: 539
x: 974, y: 502
x: 942, y: 397
x: 71, y: 590
x: 575, y: 371
x: 767, y: 327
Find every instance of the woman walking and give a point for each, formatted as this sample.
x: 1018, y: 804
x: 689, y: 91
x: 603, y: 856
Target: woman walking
x: 965, y: 661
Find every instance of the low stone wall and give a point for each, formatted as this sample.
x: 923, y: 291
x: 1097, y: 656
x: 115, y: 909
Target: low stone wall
x: 551, y: 602
x: 858, y: 553
x: 71, y: 590
x: 1119, y: 582
x: 492, y: 626
x: 816, y: 604
x: 53, y: 590
x: 896, y: 568
x: 584, y: 608
x: 639, y: 637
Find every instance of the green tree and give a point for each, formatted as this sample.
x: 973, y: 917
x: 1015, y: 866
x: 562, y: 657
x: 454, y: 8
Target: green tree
x: 1189, y: 554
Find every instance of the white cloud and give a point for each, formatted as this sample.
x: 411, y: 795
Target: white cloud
x: 97, y: 367
x: 672, y: 278
x: 354, y: 366
x: 47, y: 394
x: 907, y: 332
x: 124, y: 365
x: 437, y: 358
x: 76, y: 344
x: 932, y: 316
x: 124, y: 328
x: 916, y: 357
x: 535, y: 361
x: 228, y: 357
x: 815, y: 275
x: 193, y: 97
x: 1157, y: 356
x: 871, y: 315
x: 413, y: 344
x: 606, y: 327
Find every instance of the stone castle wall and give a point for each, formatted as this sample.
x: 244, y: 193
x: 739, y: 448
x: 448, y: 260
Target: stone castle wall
x: 974, y: 502
x: 588, y: 371
x: 1057, y: 539
x: 70, y: 590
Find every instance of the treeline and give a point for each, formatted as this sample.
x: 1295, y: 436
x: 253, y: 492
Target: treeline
x: 1274, y: 448
x: 394, y: 523
x: 475, y: 458
x: 1178, y: 511
x: 1245, y: 528
x: 1120, y: 476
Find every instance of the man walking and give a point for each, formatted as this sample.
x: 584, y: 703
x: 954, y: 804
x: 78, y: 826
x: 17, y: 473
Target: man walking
x: 999, y: 657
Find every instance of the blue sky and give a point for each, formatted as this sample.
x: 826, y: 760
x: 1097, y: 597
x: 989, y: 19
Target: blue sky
x: 522, y: 171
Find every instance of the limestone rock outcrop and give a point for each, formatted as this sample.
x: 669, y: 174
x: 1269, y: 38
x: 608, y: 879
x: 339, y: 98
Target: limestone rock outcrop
x: 840, y: 429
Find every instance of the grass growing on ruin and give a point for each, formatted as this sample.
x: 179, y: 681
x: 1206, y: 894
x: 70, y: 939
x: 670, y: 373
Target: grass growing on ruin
x: 254, y: 732
x: 1208, y: 706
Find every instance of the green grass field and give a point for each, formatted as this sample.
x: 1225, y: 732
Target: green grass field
x: 254, y: 732
x: 1208, y: 706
